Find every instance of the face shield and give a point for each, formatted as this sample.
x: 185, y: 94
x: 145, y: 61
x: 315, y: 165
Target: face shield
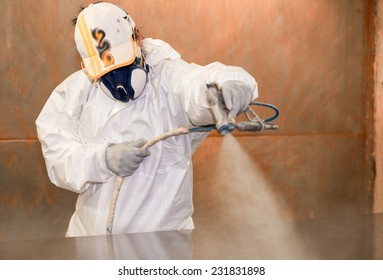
x: 125, y: 83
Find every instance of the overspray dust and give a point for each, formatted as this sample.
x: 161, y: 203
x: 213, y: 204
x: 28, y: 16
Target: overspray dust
x: 254, y: 225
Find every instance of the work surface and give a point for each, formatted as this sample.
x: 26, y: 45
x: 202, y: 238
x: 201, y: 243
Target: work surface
x: 344, y: 238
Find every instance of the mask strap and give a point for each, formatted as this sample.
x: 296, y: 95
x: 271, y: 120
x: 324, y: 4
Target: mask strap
x: 140, y: 55
x: 83, y: 68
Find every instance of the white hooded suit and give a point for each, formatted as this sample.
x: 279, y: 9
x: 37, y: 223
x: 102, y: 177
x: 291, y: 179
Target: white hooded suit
x: 79, y: 121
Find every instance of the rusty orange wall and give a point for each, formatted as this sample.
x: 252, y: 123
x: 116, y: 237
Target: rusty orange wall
x: 378, y: 112
x: 311, y: 59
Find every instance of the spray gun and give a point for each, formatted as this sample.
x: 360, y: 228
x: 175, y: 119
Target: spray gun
x: 225, y: 125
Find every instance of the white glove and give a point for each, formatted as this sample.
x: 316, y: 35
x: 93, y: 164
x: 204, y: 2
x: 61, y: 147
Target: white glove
x: 237, y: 96
x: 123, y: 159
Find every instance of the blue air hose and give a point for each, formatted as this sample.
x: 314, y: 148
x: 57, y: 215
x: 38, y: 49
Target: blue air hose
x: 268, y: 106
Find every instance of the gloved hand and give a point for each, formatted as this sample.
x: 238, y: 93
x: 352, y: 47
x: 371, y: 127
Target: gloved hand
x: 123, y: 159
x: 237, y: 96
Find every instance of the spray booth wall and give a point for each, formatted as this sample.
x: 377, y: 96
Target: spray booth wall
x: 310, y: 58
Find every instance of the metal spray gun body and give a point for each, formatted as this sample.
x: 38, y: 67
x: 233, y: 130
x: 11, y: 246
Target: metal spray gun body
x: 225, y: 125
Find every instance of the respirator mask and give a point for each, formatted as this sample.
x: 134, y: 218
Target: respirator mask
x: 125, y: 83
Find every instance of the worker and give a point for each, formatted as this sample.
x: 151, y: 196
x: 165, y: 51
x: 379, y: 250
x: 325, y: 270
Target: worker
x: 130, y: 89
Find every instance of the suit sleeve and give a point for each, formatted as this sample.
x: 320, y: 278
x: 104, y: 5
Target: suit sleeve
x: 189, y: 82
x: 71, y: 164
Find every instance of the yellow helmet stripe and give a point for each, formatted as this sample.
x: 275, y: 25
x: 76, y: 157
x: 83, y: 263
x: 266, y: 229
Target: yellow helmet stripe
x: 92, y: 54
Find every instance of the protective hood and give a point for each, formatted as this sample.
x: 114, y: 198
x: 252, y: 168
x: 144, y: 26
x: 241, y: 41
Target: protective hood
x: 157, y: 50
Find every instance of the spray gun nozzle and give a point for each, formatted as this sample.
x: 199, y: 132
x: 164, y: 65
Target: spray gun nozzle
x: 225, y: 128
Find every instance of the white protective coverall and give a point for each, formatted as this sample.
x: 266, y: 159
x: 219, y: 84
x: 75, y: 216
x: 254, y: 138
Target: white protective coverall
x: 78, y: 122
